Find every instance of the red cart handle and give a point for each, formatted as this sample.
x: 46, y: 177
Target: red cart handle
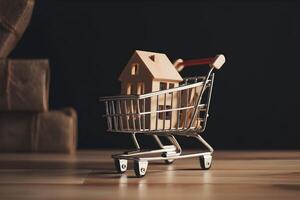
x: 215, y: 62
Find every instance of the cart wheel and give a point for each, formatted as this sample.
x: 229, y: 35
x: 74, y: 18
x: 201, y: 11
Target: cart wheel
x: 205, y: 162
x: 140, y: 168
x: 121, y: 165
x: 169, y: 161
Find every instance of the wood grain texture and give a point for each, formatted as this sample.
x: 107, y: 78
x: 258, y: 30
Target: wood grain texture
x: 91, y: 175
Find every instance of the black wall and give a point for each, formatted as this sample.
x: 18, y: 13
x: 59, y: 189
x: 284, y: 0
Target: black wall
x: 255, y: 103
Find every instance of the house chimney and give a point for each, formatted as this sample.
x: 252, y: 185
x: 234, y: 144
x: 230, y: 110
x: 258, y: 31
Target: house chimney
x: 152, y: 57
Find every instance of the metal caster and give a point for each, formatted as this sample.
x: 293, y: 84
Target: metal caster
x: 168, y: 162
x: 167, y: 154
x: 140, y: 168
x: 121, y: 165
x: 205, y: 162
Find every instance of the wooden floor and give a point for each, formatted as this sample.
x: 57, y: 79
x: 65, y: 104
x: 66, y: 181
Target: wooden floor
x: 91, y: 175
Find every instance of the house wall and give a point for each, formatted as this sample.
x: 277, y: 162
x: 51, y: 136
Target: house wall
x: 143, y: 76
x: 151, y: 121
x: 159, y: 123
x: 189, y: 98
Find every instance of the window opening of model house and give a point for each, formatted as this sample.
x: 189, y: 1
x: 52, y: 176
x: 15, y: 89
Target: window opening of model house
x: 163, y: 86
x: 171, y: 85
x: 164, y: 115
x: 152, y: 57
x: 134, y: 69
x: 140, y: 88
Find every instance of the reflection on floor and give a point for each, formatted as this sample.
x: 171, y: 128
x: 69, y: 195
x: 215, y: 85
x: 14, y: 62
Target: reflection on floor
x: 91, y: 175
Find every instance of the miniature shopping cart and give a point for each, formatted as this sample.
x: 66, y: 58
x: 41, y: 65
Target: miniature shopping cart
x: 182, y: 110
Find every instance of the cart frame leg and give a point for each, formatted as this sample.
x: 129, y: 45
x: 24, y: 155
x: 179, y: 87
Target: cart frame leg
x: 169, y: 150
x: 176, y: 147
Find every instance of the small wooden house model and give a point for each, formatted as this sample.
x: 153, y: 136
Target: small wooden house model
x: 148, y: 72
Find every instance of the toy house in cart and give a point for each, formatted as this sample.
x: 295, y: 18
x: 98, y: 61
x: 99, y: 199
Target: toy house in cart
x: 148, y: 72
x: 155, y: 100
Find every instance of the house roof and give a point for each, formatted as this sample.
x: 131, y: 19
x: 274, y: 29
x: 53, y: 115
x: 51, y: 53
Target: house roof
x: 158, y: 65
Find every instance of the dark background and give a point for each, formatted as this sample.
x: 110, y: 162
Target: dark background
x: 255, y: 102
